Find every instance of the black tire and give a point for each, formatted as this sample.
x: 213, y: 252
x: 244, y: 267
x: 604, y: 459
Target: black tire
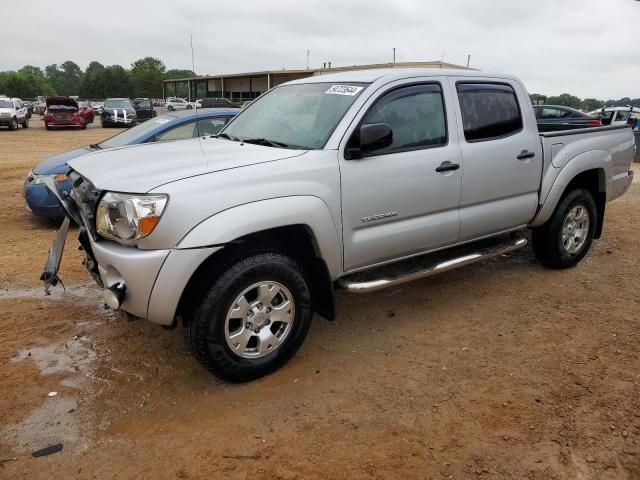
x: 170, y: 108
x: 547, y: 240
x: 205, y: 326
x: 47, y: 126
x: 14, y: 124
x: 25, y: 124
x: 189, y: 107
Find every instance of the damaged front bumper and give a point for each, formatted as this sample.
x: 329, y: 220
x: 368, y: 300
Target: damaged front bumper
x: 123, y: 272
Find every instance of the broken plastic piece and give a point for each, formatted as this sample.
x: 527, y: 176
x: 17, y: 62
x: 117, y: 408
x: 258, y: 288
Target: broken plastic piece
x: 48, y: 450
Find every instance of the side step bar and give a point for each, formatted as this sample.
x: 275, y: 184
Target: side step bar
x: 374, y: 285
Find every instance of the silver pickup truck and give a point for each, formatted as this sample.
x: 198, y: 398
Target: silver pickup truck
x: 355, y: 181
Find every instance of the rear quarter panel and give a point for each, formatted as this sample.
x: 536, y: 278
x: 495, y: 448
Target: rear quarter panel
x: 568, y: 155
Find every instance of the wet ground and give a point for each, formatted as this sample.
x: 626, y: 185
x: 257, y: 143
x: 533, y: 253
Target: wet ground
x: 502, y: 370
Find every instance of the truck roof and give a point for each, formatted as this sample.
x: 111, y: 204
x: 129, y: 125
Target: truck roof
x: 391, y: 74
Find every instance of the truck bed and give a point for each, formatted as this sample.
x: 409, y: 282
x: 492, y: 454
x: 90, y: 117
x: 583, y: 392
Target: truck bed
x: 580, y: 147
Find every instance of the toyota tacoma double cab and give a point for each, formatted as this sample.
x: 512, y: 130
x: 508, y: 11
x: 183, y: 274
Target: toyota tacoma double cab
x: 353, y: 181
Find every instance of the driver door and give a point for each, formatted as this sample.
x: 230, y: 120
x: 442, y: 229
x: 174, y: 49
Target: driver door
x: 398, y: 201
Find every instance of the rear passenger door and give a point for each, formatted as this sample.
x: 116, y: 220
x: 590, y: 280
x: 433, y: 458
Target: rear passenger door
x: 502, y: 156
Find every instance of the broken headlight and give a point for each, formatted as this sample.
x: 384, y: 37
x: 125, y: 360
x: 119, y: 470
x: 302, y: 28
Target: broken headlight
x: 126, y: 218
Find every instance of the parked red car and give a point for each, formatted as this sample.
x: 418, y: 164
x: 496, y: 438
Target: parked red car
x: 65, y: 112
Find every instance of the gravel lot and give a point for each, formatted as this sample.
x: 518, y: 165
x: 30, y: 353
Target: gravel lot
x: 502, y: 370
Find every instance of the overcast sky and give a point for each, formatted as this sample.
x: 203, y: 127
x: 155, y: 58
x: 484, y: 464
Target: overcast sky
x: 590, y: 48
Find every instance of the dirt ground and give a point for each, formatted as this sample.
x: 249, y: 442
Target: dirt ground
x: 502, y: 370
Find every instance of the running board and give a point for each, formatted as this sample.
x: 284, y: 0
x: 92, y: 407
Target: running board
x: 393, y: 280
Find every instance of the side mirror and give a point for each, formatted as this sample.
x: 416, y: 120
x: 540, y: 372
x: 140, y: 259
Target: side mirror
x: 369, y: 138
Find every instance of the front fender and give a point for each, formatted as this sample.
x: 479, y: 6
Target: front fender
x: 236, y: 222
x: 556, y: 181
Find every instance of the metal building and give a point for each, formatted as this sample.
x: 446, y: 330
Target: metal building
x: 239, y: 87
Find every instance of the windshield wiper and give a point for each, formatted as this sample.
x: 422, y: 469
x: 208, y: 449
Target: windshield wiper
x: 95, y: 146
x: 224, y: 135
x: 266, y: 142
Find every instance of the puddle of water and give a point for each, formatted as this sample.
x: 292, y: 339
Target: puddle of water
x: 88, y: 292
x: 73, y: 356
x: 52, y: 422
x: 55, y: 421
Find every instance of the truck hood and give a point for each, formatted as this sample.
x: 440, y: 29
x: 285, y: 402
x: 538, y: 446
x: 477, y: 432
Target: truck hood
x: 141, y: 168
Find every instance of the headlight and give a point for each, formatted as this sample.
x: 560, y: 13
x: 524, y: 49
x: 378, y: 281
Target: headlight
x: 38, y: 179
x: 127, y: 218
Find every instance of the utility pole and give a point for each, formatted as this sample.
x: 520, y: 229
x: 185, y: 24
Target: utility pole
x: 468, y: 60
x: 394, y: 54
x: 307, y: 59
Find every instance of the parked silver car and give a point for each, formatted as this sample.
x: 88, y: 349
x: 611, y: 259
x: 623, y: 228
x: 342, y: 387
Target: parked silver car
x: 13, y: 113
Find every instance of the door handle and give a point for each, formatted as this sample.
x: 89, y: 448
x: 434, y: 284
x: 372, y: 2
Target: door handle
x: 447, y: 167
x: 525, y: 154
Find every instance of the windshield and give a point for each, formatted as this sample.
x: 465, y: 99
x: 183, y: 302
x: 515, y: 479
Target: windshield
x: 298, y: 116
x: 52, y: 107
x: 117, y: 104
x: 142, y: 103
x: 134, y: 133
x: 5, y: 103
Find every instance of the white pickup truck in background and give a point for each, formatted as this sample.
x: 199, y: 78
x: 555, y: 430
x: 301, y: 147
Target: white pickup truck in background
x: 343, y: 181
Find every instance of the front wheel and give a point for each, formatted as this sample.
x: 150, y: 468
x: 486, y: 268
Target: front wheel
x: 566, y: 238
x: 253, y: 317
x: 13, y: 125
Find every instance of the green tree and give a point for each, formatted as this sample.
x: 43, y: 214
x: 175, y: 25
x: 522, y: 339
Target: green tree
x: 93, y: 81
x: 538, y: 99
x: 66, y: 79
x: 565, y: 99
x: 146, y: 77
x: 590, y: 104
x: 117, y: 82
x: 36, y: 82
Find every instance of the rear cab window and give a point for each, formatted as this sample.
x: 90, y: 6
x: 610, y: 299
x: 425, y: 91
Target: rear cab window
x: 489, y: 111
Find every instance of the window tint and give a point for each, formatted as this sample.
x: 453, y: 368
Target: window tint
x: 488, y: 111
x: 211, y: 126
x: 415, y: 115
x: 186, y: 130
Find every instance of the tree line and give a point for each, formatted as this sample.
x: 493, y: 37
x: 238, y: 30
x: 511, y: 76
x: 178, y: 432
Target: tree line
x: 142, y: 79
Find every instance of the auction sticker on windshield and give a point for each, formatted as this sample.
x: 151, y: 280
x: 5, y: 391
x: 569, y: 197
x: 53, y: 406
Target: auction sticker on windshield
x: 349, y: 90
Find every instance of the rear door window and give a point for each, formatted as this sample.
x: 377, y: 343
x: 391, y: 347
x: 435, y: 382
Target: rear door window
x: 489, y: 111
x: 186, y: 130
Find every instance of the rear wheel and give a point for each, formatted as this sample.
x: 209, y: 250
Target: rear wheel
x: 566, y: 238
x: 253, y: 317
x: 25, y: 124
